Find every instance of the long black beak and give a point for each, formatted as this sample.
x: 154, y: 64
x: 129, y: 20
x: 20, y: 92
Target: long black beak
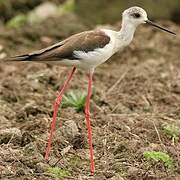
x: 157, y: 26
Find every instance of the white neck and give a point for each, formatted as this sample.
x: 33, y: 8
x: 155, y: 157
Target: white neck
x: 127, y: 29
x: 125, y: 35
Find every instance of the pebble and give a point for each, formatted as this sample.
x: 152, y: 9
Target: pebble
x: 70, y: 129
x: 65, y: 150
x: 46, y: 40
x: 41, y: 167
x: 109, y: 174
x: 133, y: 171
x: 3, y: 55
x: 42, y: 12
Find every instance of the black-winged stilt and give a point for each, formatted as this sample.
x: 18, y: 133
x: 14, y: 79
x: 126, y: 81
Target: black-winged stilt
x: 87, y: 50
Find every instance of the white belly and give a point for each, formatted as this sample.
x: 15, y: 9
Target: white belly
x: 94, y: 58
x: 91, y: 59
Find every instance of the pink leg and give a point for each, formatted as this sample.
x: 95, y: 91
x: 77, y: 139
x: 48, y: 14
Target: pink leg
x: 88, y: 123
x: 56, y: 106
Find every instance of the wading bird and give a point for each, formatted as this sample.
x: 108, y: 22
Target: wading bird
x: 87, y: 50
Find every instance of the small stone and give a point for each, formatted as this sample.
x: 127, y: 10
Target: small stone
x: 42, y: 12
x: 109, y: 174
x: 70, y: 129
x: 3, y: 55
x: 35, y: 85
x: 46, y: 40
x: 133, y: 171
x: 65, y: 150
x: 41, y: 167
x: 12, y: 135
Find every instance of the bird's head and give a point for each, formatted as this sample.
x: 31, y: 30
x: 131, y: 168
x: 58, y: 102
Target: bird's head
x: 136, y: 16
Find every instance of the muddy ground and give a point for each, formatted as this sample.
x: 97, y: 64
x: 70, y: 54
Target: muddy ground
x: 134, y: 95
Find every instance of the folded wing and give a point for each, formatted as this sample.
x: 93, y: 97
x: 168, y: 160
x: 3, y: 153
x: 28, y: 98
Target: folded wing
x: 85, y: 41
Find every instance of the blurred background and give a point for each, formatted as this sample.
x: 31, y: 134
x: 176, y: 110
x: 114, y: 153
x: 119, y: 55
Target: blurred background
x: 135, y: 106
x: 65, y: 17
x: 101, y: 11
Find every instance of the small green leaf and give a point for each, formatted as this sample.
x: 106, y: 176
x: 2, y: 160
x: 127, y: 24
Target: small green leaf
x: 171, y: 130
x: 74, y: 99
x: 17, y: 21
x: 58, y: 173
x: 159, y: 156
x: 67, y: 7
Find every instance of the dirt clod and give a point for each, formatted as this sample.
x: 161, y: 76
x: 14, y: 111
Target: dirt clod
x: 12, y: 135
x: 70, y: 130
x: 133, y: 171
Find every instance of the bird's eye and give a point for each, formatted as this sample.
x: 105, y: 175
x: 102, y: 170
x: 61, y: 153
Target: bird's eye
x: 136, y: 15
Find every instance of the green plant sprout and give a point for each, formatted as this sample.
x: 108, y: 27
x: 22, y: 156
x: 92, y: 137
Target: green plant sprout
x: 172, y: 131
x: 58, y: 173
x: 67, y: 7
x: 158, y: 156
x: 74, y: 161
x: 74, y: 99
x: 17, y: 21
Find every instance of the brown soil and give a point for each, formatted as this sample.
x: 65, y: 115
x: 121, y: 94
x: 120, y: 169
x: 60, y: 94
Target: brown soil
x: 126, y: 119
